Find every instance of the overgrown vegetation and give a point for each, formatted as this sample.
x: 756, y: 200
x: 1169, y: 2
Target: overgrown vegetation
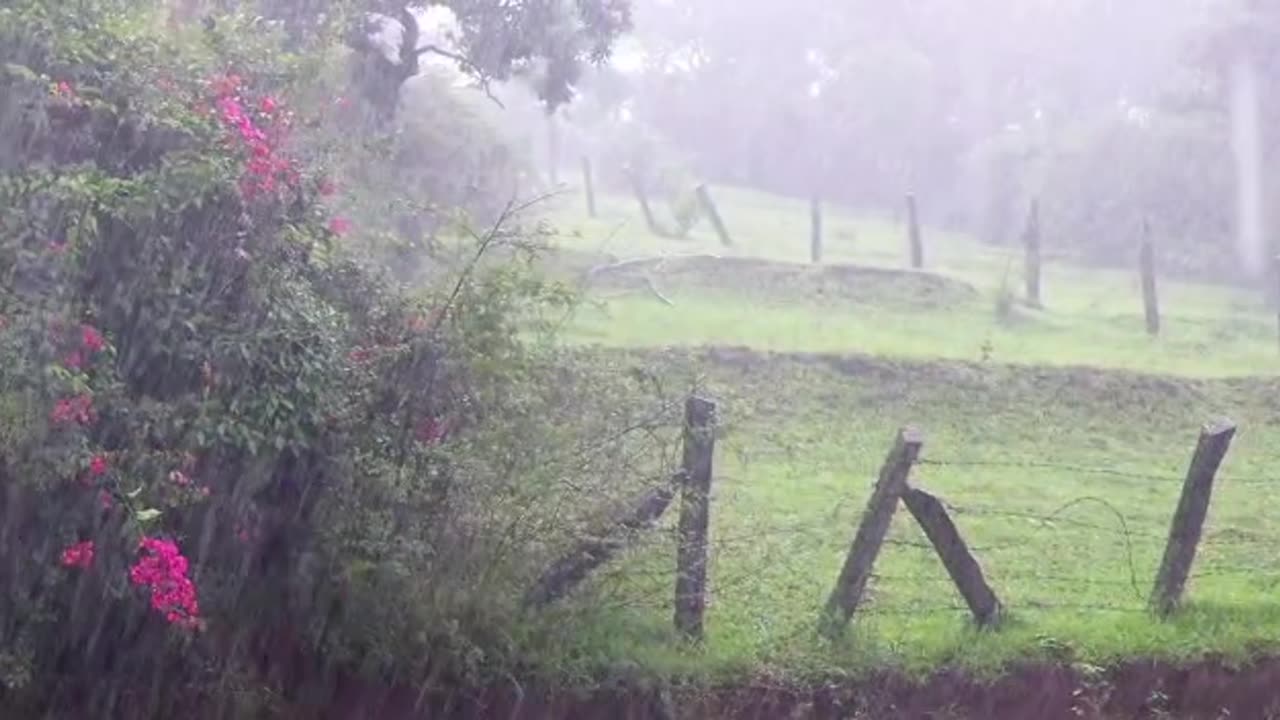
x: 216, y: 394
x: 312, y: 366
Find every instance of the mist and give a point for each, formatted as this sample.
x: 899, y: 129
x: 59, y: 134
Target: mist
x: 657, y: 359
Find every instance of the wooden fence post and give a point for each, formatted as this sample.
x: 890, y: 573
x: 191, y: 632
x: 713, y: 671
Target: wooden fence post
x: 1032, y: 240
x: 852, y: 582
x: 1147, y: 263
x: 637, y: 187
x: 1275, y: 272
x: 961, y: 565
x: 594, y: 551
x: 717, y: 222
x: 588, y: 186
x: 1188, y: 520
x: 691, y: 556
x: 913, y: 233
x: 815, y: 229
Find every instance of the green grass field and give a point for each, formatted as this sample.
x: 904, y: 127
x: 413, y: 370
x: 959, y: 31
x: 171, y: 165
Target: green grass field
x: 1058, y: 436
x: 1091, y: 317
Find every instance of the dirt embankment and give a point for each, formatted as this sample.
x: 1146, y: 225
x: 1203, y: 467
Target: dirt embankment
x: 1209, y: 690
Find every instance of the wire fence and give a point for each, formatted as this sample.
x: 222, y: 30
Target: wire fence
x: 1051, y: 546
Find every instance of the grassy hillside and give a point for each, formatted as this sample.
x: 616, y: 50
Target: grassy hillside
x: 1063, y: 479
x: 1090, y: 317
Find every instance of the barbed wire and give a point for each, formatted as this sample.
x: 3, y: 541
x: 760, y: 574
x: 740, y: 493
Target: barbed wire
x: 734, y: 577
x: 1089, y: 470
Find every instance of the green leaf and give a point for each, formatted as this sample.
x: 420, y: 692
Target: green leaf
x: 148, y: 515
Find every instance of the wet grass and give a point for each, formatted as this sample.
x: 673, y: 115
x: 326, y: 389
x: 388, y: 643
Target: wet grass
x: 1059, y: 437
x: 1090, y: 317
x: 1063, y: 482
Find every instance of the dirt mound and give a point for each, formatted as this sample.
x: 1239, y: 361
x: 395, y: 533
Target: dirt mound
x: 763, y: 278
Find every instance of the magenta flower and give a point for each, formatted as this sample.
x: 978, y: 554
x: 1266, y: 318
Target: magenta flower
x: 91, y: 339
x: 78, y: 409
x: 340, y: 226
x: 162, y: 569
x: 79, y: 555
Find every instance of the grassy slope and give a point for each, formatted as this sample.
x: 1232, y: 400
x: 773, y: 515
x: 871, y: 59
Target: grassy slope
x: 1071, y: 552
x: 1092, y: 317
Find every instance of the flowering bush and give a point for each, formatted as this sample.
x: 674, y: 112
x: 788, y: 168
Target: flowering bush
x: 225, y: 436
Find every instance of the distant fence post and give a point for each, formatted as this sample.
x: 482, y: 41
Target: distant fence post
x: 815, y: 229
x: 1147, y: 263
x: 695, y: 516
x: 588, y: 186
x: 961, y: 565
x: 1188, y: 520
x: 1275, y: 273
x: 852, y: 582
x: 717, y: 222
x: 913, y: 233
x: 592, y: 552
x: 637, y: 187
x: 1032, y: 240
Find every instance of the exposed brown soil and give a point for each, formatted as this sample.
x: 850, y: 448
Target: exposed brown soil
x: 1209, y: 690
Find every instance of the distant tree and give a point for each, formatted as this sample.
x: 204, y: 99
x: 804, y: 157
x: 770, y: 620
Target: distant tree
x: 546, y: 42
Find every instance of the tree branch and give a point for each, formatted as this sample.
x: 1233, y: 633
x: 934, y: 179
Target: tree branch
x: 467, y: 65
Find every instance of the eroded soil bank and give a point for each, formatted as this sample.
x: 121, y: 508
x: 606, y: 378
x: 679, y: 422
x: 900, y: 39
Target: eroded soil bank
x: 1210, y: 690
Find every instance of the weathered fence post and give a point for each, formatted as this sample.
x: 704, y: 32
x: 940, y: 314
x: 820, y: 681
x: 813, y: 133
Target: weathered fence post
x: 588, y: 186
x: 717, y: 222
x: 815, y: 229
x: 695, y: 516
x: 913, y: 233
x: 1188, y: 520
x: 961, y: 565
x: 594, y: 551
x: 1032, y: 241
x: 642, y: 197
x: 1147, y: 263
x: 1275, y: 272
x: 852, y: 582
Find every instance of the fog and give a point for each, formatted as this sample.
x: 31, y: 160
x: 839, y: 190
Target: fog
x: 538, y: 358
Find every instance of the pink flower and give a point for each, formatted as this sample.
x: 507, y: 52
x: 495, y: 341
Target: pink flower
x: 57, y: 247
x: 339, y: 226
x: 78, y: 409
x: 179, y: 478
x: 432, y: 431
x: 162, y: 569
x: 98, y: 466
x: 105, y: 500
x: 73, y: 360
x: 326, y: 188
x: 64, y: 90
x: 79, y: 555
x: 91, y: 339
x: 359, y: 355
x: 269, y: 105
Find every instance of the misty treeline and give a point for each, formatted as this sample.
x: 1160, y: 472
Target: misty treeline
x: 1110, y: 112
x: 282, y: 414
